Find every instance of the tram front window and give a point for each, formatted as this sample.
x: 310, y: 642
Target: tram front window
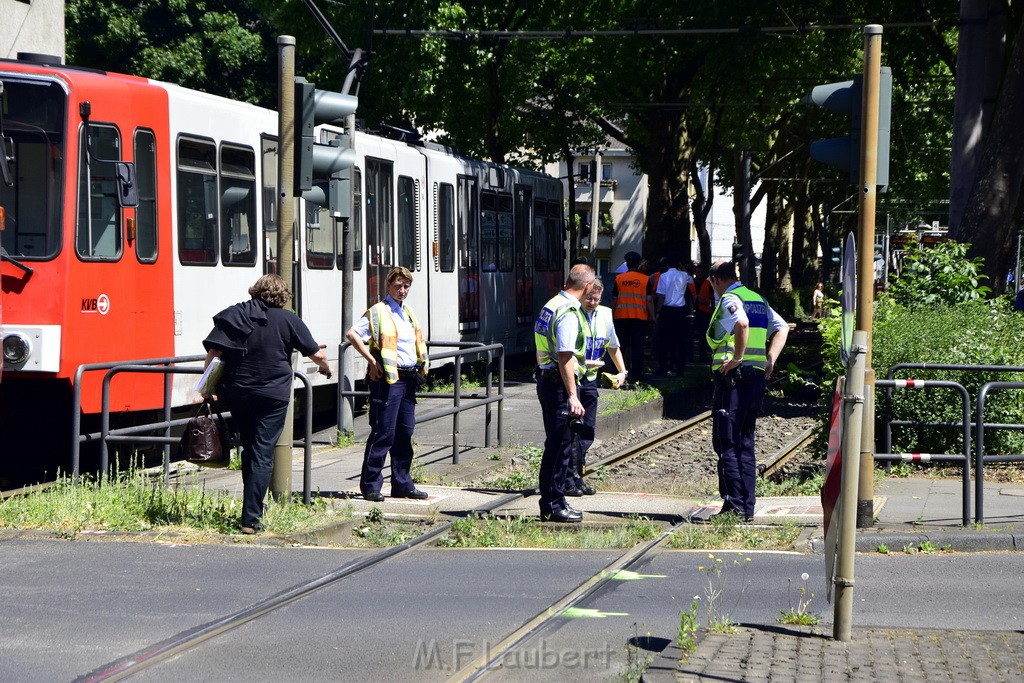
x: 32, y: 119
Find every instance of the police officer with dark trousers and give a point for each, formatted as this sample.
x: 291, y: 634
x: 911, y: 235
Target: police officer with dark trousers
x: 558, y: 339
x: 746, y: 337
x: 396, y: 361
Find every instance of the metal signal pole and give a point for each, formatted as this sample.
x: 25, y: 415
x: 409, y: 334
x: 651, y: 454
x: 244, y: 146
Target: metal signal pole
x: 281, y: 481
x: 866, y: 261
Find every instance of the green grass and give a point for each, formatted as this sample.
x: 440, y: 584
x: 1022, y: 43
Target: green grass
x: 726, y: 534
x: 132, y: 501
x: 521, y: 472
x: 622, y: 399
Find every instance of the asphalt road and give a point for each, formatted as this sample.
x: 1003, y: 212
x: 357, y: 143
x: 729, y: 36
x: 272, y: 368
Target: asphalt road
x: 71, y: 607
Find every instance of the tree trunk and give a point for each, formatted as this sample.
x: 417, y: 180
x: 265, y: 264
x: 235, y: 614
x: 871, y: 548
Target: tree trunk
x: 988, y: 222
x: 668, y: 214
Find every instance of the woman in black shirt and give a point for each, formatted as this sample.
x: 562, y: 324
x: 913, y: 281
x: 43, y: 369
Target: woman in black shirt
x: 255, y: 340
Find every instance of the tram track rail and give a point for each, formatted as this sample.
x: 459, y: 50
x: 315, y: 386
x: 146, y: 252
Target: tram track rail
x: 190, y: 639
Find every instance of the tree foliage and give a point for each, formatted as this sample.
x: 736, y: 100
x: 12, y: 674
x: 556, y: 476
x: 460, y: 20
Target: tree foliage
x: 217, y: 46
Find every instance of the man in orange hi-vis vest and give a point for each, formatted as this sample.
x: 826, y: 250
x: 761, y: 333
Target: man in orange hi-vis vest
x: 632, y: 306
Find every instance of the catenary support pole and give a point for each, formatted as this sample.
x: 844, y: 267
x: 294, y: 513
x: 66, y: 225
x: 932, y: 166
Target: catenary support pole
x: 281, y: 481
x: 853, y: 408
x: 866, y: 262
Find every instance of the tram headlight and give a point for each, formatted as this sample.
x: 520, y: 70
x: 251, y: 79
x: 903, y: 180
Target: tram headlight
x: 17, y: 349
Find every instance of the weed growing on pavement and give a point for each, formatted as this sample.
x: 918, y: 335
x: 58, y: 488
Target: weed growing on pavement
x: 380, y: 532
x: 620, y: 400
x: 686, y: 638
x: 344, y: 438
x: 799, y: 485
x: 467, y: 385
x: 883, y: 549
x: 520, y: 472
x: 799, y: 615
x: 901, y: 470
x: 636, y: 663
x: 716, y: 584
x: 132, y: 501
x: 489, y: 531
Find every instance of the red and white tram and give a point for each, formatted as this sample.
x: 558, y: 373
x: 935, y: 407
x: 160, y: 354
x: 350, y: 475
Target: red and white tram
x: 86, y: 280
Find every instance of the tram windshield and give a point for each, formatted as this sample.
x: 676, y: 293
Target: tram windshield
x: 32, y: 122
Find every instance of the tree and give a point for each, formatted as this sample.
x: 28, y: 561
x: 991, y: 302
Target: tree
x: 217, y: 46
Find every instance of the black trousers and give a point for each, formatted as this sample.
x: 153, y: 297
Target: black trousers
x: 673, y: 339
x: 260, y: 421
x: 735, y: 407
x: 555, y: 463
x: 632, y: 334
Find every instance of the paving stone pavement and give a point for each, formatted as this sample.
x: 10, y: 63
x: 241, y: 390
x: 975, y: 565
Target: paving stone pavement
x: 769, y: 653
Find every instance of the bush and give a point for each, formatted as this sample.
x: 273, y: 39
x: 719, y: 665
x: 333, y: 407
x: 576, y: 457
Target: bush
x: 971, y: 332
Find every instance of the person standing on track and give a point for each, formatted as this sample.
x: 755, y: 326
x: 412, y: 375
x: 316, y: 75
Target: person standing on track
x: 672, y: 299
x: 556, y: 333
x: 633, y: 307
x: 255, y: 340
x: 599, y: 336
x: 396, y: 366
x: 746, y: 337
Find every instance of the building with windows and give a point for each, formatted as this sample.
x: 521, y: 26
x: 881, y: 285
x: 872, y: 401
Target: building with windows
x: 622, y: 208
x: 31, y: 26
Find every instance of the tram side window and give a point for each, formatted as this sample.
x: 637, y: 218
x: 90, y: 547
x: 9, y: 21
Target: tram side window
x: 197, y: 202
x: 269, y: 153
x: 547, y: 237
x: 408, y: 210
x: 98, y: 233
x: 145, y: 212
x: 506, y: 238
x: 469, y: 236
x: 379, y: 200
x: 489, y: 231
x: 446, y: 227
x: 238, y: 206
x: 355, y: 225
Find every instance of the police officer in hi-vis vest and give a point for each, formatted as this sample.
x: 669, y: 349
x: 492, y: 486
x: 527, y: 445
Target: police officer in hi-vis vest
x: 556, y: 333
x: 746, y: 337
x: 598, y: 330
x: 396, y: 363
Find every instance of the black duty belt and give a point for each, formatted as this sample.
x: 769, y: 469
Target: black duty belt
x: 408, y: 372
x: 550, y: 373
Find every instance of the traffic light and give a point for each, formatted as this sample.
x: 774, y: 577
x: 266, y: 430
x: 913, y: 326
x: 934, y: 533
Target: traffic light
x: 837, y: 255
x: 844, y: 152
x: 878, y: 251
x: 322, y: 172
x: 738, y: 252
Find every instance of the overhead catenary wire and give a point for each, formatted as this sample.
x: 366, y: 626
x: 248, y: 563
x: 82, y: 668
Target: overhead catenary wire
x: 568, y: 34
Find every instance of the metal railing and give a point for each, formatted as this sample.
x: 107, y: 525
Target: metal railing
x: 980, y: 457
x: 963, y: 458
x: 460, y: 352
x: 975, y: 428
x: 140, y: 433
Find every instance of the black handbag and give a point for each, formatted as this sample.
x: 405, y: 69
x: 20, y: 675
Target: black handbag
x: 205, y: 441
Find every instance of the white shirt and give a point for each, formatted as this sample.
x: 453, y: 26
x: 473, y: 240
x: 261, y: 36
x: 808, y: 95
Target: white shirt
x: 406, y: 333
x: 672, y: 285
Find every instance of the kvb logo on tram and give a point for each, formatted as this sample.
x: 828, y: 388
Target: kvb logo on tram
x: 100, y: 304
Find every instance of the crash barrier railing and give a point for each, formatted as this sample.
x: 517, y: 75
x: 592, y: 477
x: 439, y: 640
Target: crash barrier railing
x: 963, y: 458
x: 978, y: 425
x: 460, y: 352
x: 138, y: 433
x: 980, y: 457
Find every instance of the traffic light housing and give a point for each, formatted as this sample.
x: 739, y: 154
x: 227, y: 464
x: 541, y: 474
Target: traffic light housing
x: 739, y: 252
x: 323, y: 172
x: 843, y: 153
x: 837, y: 255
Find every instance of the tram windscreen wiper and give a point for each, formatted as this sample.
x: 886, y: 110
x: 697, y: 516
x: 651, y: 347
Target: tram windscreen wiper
x: 6, y: 143
x: 4, y: 256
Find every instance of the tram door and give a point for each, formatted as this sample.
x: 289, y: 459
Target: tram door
x: 524, y: 255
x: 380, y: 249
x: 468, y: 226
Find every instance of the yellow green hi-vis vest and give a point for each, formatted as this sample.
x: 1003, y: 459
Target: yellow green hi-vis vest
x: 755, y: 355
x: 384, y: 338
x: 544, y: 329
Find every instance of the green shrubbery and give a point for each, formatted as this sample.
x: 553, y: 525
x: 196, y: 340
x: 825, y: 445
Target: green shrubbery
x: 935, y: 312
